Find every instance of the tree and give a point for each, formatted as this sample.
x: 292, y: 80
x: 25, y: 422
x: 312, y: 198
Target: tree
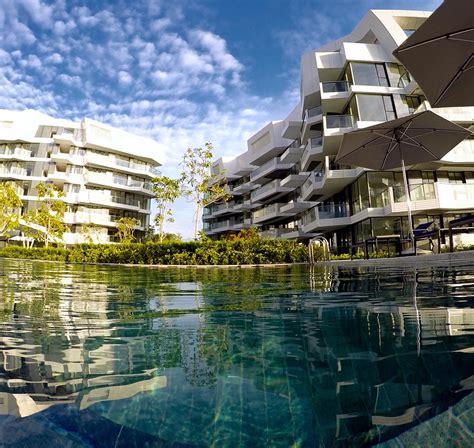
x: 91, y: 232
x: 166, y: 191
x: 10, y: 204
x: 125, y: 228
x: 200, y: 185
x: 48, y: 218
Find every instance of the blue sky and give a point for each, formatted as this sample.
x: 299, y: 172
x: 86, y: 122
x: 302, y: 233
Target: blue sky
x: 182, y: 72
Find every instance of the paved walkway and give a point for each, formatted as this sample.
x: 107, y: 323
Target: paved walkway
x: 418, y: 260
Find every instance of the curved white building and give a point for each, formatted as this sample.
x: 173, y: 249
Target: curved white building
x: 105, y: 172
x: 287, y: 183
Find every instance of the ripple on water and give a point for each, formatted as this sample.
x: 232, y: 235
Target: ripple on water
x: 294, y: 356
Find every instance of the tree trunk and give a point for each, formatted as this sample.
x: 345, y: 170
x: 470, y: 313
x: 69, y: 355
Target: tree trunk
x: 196, y: 220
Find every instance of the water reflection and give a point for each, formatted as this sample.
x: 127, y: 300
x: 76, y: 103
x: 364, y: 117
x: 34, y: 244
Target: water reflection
x: 250, y: 357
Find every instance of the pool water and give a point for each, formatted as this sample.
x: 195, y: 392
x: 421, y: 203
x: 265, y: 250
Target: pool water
x: 281, y: 357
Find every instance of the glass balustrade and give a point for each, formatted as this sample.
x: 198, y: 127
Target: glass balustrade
x: 265, y: 189
x: 418, y: 192
x: 335, y: 86
x: 314, y: 111
x: 316, y: 141
x: 333, y: 210
x: 340, y: 121
x: 271, y: 163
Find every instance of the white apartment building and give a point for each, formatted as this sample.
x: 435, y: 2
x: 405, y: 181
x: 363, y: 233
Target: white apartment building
x: 287, y: 184
x: 104, y: 172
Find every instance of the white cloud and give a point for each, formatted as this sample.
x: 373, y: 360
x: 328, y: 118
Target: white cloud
x: 124, y: 78
x: 54, y: 58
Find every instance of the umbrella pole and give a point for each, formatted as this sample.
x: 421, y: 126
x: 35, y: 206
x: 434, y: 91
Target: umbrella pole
x: 407, y: 194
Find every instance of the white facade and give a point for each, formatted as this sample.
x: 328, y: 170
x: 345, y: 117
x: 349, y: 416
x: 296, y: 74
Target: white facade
x: 104, y: 172
x: 292, y: 187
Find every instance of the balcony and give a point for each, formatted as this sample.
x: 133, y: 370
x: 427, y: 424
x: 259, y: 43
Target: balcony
x: 313, y: 152
x: 312, y: 185
x: 108, y: 199
x: 270, y: 212
x: 102, y: 219
x: 13, y: 171
x: 224, y: 209
x: 327, y: 216
x: 335, y: 87
x: 270, y: 170
x: 312, y: 116
x: 335, y: 126
x: 244, y: 187
x: 243, y: 205
x: 68, y: 158
x: 339, y: 121
x: 65, y: 177
x: 123, y: 183
x: 297, y: 206
x: 334, y: 95
x: 293, y: 153
x: 431, y: 196
x: 294, y: 180
x: 64, y: 138
x: 291, y: 129
x: 15, y: 154
x: 268, y: 190
x: 120, y: 165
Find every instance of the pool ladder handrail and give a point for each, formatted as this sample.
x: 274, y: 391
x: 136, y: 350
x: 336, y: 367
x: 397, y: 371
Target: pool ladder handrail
x: 320, y: 241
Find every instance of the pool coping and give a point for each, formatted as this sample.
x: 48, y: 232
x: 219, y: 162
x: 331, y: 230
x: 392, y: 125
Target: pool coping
x: 415, y: 261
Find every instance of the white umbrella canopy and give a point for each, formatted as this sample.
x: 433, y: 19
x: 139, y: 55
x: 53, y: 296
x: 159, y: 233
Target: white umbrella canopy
x: 418, y: 138
x: 440, y: 55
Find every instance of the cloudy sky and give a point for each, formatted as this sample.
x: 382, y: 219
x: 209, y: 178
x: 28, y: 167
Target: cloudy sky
x: 182, y: 72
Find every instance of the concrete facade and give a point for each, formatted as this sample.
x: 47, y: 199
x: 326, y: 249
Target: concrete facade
x: 104, y: 172
x: 287, y: 183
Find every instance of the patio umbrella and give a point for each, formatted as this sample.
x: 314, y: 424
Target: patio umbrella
x: 440, y: 55
x: 418, y: 138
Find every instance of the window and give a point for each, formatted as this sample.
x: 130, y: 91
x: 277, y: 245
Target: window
x: 375, y: 107
x: 369, y: 74
x: 412, y: 102
x: 455, y: 177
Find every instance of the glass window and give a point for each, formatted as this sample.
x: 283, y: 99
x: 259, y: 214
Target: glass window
x: 455, y: 177
x: 369, y: 74
x: 375, y: 107
x: 378, y: 188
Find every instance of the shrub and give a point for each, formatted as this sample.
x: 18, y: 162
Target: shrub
x: 206, y: 252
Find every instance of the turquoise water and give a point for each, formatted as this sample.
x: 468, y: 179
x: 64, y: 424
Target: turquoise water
x: 281, y: 357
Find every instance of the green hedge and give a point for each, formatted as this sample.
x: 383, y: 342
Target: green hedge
x: 253, y: 251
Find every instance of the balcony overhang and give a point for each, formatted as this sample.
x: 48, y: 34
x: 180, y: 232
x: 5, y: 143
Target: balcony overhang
x: 291, y: 129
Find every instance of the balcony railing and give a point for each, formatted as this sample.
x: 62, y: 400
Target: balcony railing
x: 314, y: 112
x: 13, y: 170
x: 271, y: 163
x: 418, y: 192
x: 340, y: 121
x: 19, y: 152
x: 265, y: 189
x: 333, y: 210
x: 335, y: 87
x: 268, y: 210
x: 316, y: 142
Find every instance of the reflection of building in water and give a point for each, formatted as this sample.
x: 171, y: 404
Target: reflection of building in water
x: 349, y: 364
x: 23, y: 405
x: 63, y: 343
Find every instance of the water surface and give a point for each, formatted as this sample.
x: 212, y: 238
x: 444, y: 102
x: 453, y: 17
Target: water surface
x: 297, y: 356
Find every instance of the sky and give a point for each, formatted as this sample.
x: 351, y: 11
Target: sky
x: 183, y: 72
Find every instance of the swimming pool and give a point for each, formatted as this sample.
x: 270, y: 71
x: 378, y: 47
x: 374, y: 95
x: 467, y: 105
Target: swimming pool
x: 284, y: 356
